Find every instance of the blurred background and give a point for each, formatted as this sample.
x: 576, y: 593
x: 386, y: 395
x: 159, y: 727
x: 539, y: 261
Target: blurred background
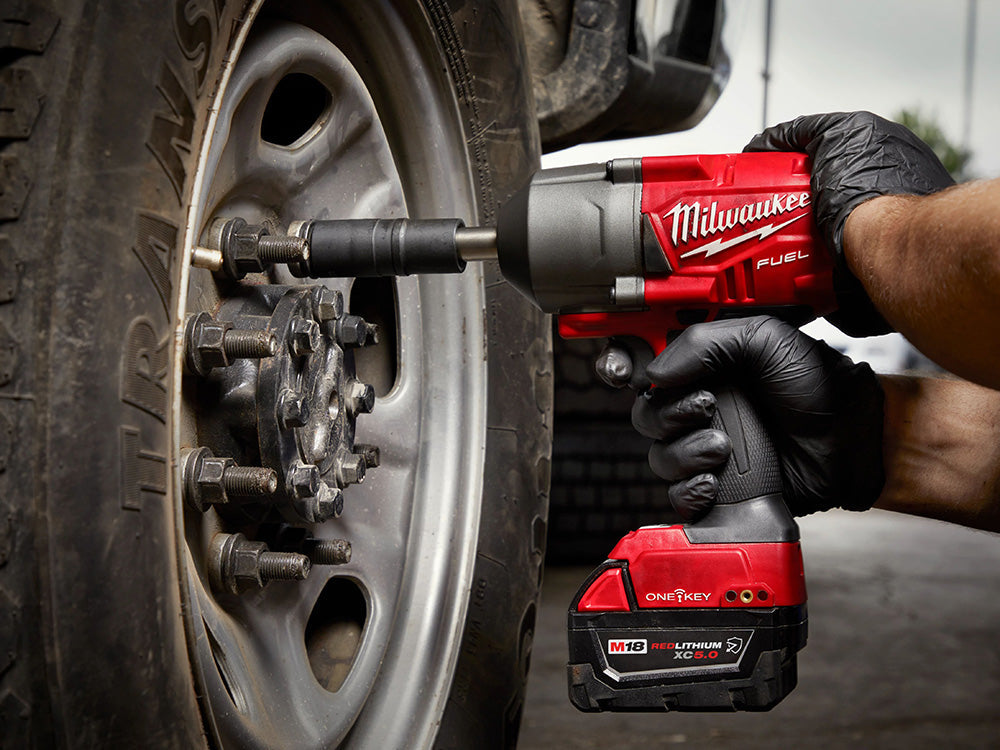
x: 886, y: 56
x: 903, y: 611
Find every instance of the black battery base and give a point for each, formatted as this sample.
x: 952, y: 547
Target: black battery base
x: 684, y: 659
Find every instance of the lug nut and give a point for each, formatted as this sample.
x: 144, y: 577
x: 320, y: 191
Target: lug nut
x: 293, y: 409
x: 210, y: 480
x: 370, y: 453
x: 361, y: 398
x: 303, y: 480
x: 209, y: 343
x: 351, y: 470
x: 236, y: 564
x: 304, y: 337
x: 353, y: 330
x: 328, y: 503
x: 248, y: 248
x: 328, y: 305
x: 328, y: 551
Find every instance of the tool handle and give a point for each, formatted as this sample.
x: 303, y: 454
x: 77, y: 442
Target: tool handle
x: 753, y: 469
x: 749, y: 505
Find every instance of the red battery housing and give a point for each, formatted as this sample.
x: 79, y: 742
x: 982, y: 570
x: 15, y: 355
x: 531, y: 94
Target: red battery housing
x: 667, y: 571
x: 665, y: 624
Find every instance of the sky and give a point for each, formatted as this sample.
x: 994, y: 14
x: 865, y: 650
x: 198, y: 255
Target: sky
x: 879, y: 55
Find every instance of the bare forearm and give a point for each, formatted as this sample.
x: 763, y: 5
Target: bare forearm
x: 932, y: 267
x: 942, y: 450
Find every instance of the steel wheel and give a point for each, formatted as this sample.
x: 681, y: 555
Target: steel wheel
x: 360, y: 653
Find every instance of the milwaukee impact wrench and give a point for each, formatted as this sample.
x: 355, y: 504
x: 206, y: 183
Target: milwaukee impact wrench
x: 700, y: 616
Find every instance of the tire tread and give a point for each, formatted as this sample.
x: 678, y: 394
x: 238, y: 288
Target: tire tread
x: 27, y: 28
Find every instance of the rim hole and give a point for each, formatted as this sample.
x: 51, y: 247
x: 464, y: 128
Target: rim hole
x: 374, y: 300
x: 333, y: 633
x: 296, y: 107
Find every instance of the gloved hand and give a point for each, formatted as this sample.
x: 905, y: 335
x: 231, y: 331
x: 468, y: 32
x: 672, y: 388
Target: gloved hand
x: 823, y: 412
x: 855, y: 156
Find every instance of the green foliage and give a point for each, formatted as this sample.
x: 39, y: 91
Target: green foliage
x: 954, y: 157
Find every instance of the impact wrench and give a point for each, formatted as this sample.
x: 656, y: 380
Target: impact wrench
x: 701, y: 616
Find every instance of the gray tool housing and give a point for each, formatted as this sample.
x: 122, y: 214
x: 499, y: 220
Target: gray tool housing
x: 571, y: 240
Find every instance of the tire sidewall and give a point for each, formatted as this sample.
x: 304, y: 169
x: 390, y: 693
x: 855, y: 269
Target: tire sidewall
x: 130, y: 124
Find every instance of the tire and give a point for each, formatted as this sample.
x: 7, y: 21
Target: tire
x: 108, y: 627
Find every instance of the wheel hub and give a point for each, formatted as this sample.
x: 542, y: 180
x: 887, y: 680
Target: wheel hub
x: 288, y: 406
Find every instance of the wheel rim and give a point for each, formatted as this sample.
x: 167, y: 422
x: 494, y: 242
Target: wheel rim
x: 413, y: 524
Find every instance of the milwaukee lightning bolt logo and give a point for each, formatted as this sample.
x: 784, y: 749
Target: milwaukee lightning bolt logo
x: 693, y: 221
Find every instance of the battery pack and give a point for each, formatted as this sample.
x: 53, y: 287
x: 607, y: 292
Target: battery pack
x: 667, y: 624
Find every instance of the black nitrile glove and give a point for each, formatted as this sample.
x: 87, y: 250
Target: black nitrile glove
x: 855, y: 156
x: 823, y: 413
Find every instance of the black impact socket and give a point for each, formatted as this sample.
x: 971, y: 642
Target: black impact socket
x: 380, y: 247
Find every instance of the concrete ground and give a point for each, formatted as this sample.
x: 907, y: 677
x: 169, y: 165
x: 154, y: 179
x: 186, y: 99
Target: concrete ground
x: 904, y: 651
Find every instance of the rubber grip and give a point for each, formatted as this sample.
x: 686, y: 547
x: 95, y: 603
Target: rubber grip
x: 753, y: 469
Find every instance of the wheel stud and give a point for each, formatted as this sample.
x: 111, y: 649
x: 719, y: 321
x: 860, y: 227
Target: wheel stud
x: 239, y: 344
x: 283, y: 566
x: 236, y: 564
x: 250, y: 481
x: 282, y: 249
x: 328, y: 551
x: 206, y: 257
x: 210, y: 343
x: 210, y: 480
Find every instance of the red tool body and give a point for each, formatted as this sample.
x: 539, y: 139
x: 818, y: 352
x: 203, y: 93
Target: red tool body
x: 738, y: 237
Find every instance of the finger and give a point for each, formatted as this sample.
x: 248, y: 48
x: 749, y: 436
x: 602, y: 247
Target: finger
x: 639, y: 354
x: 699, y: 452
x: 772, y: 139
x: 614, y: 365
x: 693, y: 498
x: 659, y: 416
x: 794, y: 135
